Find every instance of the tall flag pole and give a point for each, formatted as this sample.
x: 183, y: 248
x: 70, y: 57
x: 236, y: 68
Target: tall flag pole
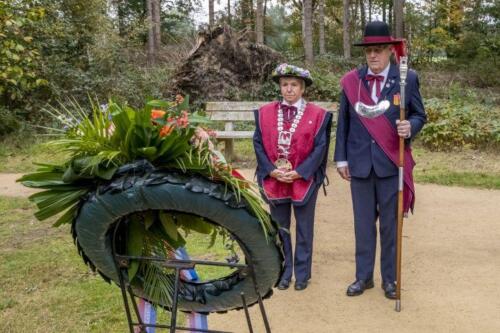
x: 403, y: 71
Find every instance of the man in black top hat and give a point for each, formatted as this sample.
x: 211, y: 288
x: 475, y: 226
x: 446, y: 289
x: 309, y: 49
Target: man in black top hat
x: 363, y: 158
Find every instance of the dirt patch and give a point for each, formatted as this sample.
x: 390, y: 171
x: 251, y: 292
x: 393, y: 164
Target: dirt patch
x: 9, y: 187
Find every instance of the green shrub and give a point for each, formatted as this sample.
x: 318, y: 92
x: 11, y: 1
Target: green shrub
x: 455, y: 124
x: 326, y: 86
x: 8, y: 122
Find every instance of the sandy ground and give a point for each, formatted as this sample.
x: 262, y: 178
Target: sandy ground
x: 9, y: 187
x: 450, y: 276
x: 451, y: 269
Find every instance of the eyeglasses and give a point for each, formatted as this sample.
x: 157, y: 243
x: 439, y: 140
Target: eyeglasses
x: 376, y: 49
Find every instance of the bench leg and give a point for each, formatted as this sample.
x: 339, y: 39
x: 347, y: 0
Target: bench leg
x: 229, y: 149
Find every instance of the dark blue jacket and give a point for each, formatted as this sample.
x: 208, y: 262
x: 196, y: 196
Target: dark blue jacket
x: 353, y: 142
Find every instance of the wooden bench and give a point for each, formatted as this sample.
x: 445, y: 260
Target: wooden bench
x: 229, y: 112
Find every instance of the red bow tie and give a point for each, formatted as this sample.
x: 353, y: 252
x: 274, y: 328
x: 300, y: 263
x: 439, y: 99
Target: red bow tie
x: 289, y: 112
x: 375, y: 78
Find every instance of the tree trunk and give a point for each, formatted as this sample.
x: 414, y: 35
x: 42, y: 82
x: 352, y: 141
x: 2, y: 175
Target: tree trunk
x: 211, y: 14
x: 322, y: 27
x: 370, y: 3
x: 347, y: 42
x: 157, y: 24
x: 308, y: 34
x: 363, y: 15
x: 121, y: 17
x: 229, y: 12
x: 389, y: 12
x: 398, y: 18
x: 354, y: 20
x: 383, y: 11
x: 247, y: 13
x: 259, y: 22
x: 151, y: 54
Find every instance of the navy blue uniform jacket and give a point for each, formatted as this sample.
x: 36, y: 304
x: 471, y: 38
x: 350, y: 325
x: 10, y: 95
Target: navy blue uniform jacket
x: 354, y: 143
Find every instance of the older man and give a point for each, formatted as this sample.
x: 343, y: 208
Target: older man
x: 291, y: 143
x: 364, y: 158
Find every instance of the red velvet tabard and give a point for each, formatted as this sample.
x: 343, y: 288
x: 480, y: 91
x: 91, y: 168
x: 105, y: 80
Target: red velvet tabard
x: 301, y: 146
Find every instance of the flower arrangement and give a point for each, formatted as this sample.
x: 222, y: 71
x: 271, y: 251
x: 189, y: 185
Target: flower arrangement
x: 284, y: 70
x: 164, y: 133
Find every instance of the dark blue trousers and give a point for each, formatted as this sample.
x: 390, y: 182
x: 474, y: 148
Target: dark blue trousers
x: 374, y: 197
x: 304, y: 216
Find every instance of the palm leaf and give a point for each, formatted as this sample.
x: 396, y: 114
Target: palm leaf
x: 158, y: 284
x: 58, y: 203
x: 135, y: 243
x: 68, y: 216
x: 168, y: 223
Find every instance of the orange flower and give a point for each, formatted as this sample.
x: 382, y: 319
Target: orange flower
x: 155, y: 114
x: 166, y: 130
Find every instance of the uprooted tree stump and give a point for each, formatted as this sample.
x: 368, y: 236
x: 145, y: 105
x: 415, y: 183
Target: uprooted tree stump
x: 224, y: 65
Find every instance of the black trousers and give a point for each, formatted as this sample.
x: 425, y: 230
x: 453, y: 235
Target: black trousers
x: 301, y: 262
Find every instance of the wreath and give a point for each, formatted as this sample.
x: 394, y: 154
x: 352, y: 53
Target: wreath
x: 138, y: 181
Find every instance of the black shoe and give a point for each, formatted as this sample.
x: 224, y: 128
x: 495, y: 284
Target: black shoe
x: 389, y: 289
x: 359, y: 286
x: 284, y: 284
x: 300, y: 285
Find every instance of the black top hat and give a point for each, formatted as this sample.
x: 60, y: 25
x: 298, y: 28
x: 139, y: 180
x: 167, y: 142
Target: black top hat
x: 377, y: 33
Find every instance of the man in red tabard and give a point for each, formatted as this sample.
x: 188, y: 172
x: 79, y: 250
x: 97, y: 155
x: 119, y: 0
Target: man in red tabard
x: 291, y: 144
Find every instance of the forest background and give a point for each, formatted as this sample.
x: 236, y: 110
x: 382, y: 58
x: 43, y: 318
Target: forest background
x: 53, y: 50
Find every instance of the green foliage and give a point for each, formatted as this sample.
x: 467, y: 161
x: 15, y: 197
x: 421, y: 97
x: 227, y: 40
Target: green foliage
x: 468, y: 179
x: 8, y: 122
x: 98, y: 144
x: 326, y: 74
x: 457, y: 123
x: 19, y: 56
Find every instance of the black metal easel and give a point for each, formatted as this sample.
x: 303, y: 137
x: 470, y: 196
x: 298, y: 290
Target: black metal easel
x: 122, y: 263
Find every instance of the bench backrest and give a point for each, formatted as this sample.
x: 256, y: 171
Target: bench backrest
x: 242, y: 111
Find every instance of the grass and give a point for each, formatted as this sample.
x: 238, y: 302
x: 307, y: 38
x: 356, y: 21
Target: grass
x: 18, y: 152
x: 45, y: 286
x: 468, y: 168
x: 465, y: 167
x: 197, y: 247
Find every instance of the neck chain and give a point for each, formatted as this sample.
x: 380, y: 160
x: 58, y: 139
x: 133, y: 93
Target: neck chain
x: 285, y: 137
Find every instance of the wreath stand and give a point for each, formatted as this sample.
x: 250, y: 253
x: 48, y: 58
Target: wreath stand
x: 122, y: 263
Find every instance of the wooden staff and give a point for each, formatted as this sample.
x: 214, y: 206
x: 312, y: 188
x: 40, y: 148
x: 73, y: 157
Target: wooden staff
x: 403, y: 71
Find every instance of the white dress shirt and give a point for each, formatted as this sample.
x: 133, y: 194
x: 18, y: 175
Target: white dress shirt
x: 384, y: 73
x: 296, y: 104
